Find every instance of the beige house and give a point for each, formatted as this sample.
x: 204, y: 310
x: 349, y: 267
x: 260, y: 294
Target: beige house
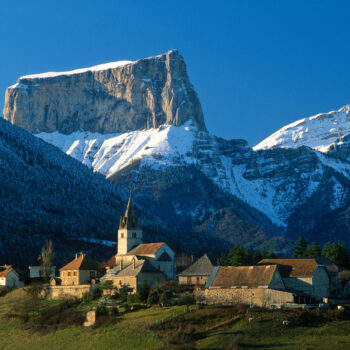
x: 198, y: 273
x: 9, y: 277
x: 135, y: 274
x: 81, y: 270
x: 307, y: 278
x: 258, y: 285
x: 131, y: 250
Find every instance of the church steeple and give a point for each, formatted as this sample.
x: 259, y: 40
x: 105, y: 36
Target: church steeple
x: 129, y: 220
x: 130, y: 231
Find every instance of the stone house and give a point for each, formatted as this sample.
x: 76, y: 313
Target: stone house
x: 81, y: 270
x: 36, y: 269
x: 198, y: 273
x: 258, y: 285
x: 132, y: 250
x: 135, y: 274
x: 307, y: 278
x: 9, y: 277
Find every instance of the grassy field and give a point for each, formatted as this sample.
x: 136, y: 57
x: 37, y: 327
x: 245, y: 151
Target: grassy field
x: 174, y: 328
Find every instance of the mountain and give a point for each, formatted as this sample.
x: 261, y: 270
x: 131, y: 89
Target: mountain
x: 191, y: 180
x: 45, y: 194
x: 321, y: 132
x: 113, y: 97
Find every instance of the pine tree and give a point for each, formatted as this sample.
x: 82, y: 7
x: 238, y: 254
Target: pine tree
x: 300, y: 247
x: 313, y: 250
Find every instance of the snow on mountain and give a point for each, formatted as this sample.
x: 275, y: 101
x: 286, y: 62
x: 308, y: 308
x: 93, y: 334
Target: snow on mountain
x: 319, y: 132
x: 97, y: 68
x: 111, y: 153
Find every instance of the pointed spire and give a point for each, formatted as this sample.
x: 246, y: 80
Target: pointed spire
x: 130, y: 220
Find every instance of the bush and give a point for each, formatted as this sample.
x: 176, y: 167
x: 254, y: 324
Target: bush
x: 123, y: 294
x: 186, y: 300
x: 133, y: 298
x: 101, y: 310
x: 4, y: 290
x: 144, y: 292
x: 153, y: 297
x: 166, y: 297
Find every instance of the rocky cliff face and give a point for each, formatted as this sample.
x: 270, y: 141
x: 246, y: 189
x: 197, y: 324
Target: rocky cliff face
x: 109, y: 98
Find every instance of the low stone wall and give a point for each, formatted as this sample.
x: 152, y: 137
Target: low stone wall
x: 64, y: 292
x: 256, y: 296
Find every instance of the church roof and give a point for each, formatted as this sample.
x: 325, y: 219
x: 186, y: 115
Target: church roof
x: 141, y: 266
x: 202, y: 267
x: 81, y: 262
x: 146, y: 249
x: 130, y: 220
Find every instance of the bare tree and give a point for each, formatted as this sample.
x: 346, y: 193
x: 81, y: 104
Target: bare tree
x: 47, y: 258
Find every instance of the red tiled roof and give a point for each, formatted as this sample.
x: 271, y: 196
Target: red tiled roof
x: 239, y: 276
x: 82, y: 262
x: 146, y: 249
x: 111, y: 262
x: 5, y: 270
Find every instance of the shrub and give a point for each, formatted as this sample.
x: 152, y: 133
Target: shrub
x: 166, y: 297
x: 153, y: 297
x: 123, y: 294
x: 133, y: 298
x: 144, y: 292
x: 186, y: 300
x: 101, y: 310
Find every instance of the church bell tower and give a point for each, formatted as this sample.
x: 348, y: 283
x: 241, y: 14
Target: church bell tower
x: 130, y: 231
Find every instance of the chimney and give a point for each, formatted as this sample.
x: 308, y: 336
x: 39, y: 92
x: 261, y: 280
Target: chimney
x: 76, y: 255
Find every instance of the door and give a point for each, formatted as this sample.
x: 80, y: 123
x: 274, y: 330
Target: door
x: 189, y: 280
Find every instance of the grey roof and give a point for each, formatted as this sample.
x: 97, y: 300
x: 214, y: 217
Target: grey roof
x: 202, y: 267
x: 141, y: 266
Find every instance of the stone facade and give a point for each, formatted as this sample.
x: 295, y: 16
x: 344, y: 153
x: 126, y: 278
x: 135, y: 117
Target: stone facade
x: 76, y: 277
x: 263, y: 297
x: 193, y: 280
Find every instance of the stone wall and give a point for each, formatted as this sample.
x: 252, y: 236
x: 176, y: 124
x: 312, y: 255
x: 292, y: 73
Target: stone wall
x: 64, y: 292
x: 256, y: 296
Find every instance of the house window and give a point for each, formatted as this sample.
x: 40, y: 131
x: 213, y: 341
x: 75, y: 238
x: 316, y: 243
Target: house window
x: 68, y: 273
x: 122, y: 235
x: 75, y: 273
x: 134, y: 235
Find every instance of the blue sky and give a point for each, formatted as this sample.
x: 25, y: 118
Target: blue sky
x: 256, y: 65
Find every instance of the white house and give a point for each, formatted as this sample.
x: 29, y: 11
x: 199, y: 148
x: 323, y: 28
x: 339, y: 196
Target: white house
x: 9, y: 277
x: 36, y: 269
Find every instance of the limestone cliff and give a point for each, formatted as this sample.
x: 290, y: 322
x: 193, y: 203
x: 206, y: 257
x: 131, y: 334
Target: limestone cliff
x: 109, y: 98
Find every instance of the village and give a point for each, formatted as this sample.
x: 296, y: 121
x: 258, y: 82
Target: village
x: 275, y: 283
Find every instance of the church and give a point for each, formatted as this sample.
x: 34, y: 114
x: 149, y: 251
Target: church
x: 136, y: 262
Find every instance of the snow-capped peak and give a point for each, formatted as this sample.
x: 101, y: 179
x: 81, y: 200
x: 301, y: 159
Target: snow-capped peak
x: 319, y: 132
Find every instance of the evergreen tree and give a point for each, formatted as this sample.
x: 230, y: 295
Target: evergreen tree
x: 237, y: 256
x: 300, y: 247
x: 336, y: 252
x: 313, y: 250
